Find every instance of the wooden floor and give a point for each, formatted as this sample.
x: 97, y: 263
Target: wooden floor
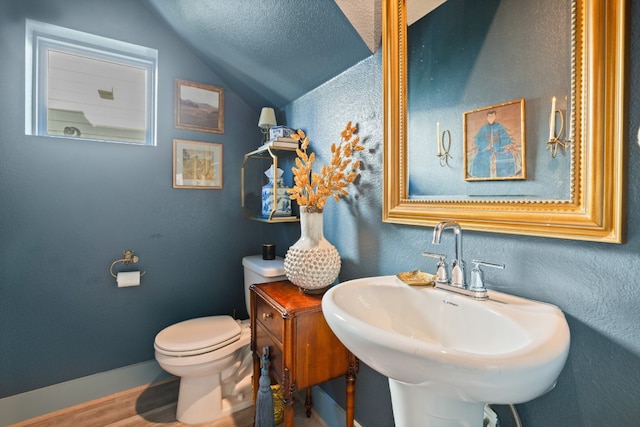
x: 153, y: 405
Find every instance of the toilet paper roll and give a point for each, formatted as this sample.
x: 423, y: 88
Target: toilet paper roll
x: 128, y: 278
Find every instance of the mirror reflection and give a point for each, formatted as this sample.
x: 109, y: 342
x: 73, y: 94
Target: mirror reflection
x: 553, y: 167
x: 476, y: 129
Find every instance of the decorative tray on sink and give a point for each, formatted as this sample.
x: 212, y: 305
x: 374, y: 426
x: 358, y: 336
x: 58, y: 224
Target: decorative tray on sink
x: 417, y: 278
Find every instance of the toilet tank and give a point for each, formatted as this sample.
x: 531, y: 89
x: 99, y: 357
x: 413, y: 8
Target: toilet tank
x: 258, y: 270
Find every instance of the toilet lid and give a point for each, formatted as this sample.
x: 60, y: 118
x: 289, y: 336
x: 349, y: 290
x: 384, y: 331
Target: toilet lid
x: 197, y: 336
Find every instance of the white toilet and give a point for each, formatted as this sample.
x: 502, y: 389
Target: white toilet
x: 212, y: 355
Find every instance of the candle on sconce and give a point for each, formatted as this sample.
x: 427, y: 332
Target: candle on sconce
x: 552, y: 119
x: 439, y: 139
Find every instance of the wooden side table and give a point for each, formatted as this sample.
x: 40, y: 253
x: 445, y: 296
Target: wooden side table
x: 303, y: 350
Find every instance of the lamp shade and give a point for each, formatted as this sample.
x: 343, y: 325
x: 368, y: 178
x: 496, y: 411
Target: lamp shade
x: 267, y: 118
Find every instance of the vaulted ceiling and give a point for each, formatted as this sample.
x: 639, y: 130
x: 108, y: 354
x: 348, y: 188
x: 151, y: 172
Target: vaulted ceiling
x: 271, y: 52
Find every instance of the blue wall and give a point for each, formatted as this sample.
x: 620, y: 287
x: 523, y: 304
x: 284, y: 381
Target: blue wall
x: 69, y: 208
x: 595, y: 284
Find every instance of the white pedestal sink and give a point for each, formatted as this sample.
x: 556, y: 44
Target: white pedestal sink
x: 447, y: 355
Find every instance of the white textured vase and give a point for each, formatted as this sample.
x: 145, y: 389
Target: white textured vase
x: 312, y: 263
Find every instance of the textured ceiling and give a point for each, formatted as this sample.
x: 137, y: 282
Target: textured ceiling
x: 366, y: 18
x: 416, y: 9
x: 270, y: 52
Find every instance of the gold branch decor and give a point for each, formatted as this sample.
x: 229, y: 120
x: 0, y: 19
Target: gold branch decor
x: 312, y: 188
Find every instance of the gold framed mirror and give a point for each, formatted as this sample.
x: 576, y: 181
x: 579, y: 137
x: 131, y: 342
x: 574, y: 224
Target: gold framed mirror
x: 593, y: 206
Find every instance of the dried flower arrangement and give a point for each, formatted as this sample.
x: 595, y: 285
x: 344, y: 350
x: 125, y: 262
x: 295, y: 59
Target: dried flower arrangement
x: 311, y: 189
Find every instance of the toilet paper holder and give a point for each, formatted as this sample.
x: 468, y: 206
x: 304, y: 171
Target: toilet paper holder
x: 129, y: 258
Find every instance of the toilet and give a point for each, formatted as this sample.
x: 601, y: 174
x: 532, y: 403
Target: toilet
x: 212, y: 355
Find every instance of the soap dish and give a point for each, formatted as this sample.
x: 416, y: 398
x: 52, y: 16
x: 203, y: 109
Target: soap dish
x: 416, y: 278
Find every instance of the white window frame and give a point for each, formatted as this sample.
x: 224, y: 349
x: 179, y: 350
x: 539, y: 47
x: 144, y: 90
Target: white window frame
x: 42, y: 38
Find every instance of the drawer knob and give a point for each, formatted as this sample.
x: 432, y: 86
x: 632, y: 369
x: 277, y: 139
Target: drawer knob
x: 266, y: 316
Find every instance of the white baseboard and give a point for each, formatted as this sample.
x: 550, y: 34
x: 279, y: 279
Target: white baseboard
x: 34, y: 403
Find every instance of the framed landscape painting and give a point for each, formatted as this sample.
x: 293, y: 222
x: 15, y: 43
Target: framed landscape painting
x: 199, y: 107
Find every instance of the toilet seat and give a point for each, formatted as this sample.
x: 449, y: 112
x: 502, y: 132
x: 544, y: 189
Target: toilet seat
x: 197, y: 336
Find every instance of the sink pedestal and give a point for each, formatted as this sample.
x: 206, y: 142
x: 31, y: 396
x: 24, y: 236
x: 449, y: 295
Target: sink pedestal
x: 420, y: 404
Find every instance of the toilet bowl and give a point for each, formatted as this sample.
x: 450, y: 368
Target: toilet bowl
x: 211, y: 355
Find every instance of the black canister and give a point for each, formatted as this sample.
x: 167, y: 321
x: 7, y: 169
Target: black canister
x: 268, y: 251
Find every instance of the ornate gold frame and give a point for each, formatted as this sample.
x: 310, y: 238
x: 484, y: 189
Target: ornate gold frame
x: 595, y: 209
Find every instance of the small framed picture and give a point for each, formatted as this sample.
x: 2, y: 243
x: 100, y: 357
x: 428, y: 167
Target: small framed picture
x: 494, y: 142
x: 197, y: 165
x: 199, y: 107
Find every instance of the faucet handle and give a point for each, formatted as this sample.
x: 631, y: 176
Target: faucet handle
x: 441, y: 267
x: 477, y: 280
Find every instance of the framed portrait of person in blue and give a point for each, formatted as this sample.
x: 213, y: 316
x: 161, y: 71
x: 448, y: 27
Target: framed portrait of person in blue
x: 494, y: 142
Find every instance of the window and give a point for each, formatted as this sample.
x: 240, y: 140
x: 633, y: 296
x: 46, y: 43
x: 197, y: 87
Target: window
x: 88, y: 87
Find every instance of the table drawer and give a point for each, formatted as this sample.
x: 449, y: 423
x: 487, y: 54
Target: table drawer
x: 263, y: 339
x: 270, y: 318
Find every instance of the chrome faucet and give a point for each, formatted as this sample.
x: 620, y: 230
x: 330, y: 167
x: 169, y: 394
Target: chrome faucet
x: 457, y: 266
x: 476, y: 288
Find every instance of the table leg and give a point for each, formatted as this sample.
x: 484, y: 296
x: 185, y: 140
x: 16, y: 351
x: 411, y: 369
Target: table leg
x: 256, y: 377
x: 351, y: 393
x: 288, y: 412
x: 308, y: 403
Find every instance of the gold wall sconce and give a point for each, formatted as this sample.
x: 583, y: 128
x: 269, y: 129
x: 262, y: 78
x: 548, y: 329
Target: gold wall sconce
x: 444, y: 146
x: 555, y: 139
